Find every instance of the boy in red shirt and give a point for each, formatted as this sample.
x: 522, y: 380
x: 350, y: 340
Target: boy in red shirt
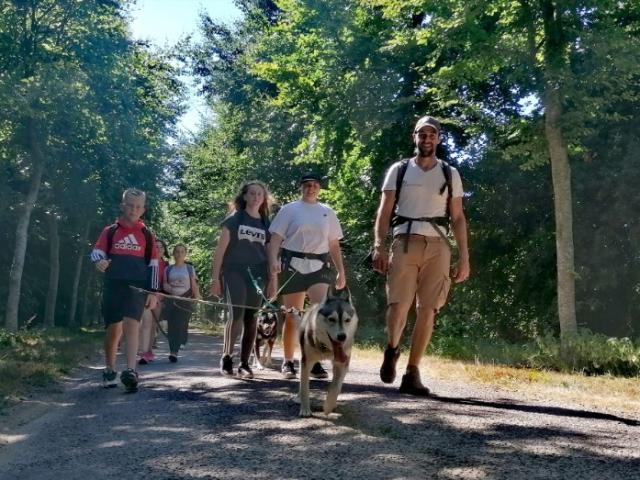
x: 126, y: 253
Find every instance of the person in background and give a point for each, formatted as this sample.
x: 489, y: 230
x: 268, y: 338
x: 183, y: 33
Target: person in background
x: 179, y: 280
x: 148, y: 329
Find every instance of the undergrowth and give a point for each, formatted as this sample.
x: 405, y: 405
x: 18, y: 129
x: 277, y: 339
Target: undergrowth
x: 33, y: 359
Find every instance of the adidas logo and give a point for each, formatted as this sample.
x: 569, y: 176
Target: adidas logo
x: 128, y: 243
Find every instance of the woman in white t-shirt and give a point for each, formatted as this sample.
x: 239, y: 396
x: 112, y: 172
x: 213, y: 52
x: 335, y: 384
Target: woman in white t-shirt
x: 179, y: 280
x: 309, y: 233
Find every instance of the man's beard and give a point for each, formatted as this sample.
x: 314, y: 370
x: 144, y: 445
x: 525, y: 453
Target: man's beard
x: 425, y: 151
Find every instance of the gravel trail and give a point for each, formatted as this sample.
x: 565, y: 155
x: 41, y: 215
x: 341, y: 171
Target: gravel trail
x: 188, y: 421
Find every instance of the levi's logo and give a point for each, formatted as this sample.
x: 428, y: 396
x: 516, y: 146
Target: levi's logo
x: 252, y: 234
x: 128, y: 243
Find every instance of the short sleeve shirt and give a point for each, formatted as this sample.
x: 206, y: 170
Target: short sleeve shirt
x: 248, y: 237
x: 178, y: 279
x: 308, y: 228
x: 420, y: 195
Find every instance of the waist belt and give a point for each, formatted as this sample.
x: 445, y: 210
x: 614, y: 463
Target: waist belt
x: 287, y: 255
x: 434, y: 221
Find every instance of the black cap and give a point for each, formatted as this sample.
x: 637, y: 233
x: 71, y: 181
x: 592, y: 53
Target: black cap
x: 308, y: 177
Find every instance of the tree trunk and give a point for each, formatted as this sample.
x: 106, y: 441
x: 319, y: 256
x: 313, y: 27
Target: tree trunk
x: 22, y: 229
x: 73, y: 307
x: 561, y: 175
x: 54, y: 271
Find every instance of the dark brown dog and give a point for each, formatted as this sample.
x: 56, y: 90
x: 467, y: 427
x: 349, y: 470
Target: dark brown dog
x: 266, y: 336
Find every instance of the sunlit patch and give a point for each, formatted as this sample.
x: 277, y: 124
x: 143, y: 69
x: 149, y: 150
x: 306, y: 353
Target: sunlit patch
x: 6, y: 439
x: 112, y: 444
x: 462, y: 473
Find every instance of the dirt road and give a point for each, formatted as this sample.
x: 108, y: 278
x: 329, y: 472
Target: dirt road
x: 188, y: 421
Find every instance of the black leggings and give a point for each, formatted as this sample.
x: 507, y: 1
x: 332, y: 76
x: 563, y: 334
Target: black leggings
x: 178, y: 313
x: 240, y: 290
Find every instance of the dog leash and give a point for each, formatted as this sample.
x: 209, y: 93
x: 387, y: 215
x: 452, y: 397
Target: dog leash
x: 269, y: 301
x: 210, y: 302
x: 157, y: 320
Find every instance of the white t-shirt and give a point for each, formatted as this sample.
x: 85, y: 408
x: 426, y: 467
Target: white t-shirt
x: 178, y: 279
x: 420, y: 195
x: 306, y: 227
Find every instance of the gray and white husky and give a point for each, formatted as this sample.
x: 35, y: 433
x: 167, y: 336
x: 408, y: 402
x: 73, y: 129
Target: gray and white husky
x: 327, y: 331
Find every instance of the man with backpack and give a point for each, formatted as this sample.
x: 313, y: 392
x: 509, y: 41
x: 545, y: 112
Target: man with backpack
x: 421, y: 198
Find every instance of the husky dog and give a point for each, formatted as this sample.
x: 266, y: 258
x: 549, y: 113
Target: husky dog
x: 328, y: 330
x: 267, y: 331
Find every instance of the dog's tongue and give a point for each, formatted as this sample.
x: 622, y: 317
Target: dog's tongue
x: 338, y: 352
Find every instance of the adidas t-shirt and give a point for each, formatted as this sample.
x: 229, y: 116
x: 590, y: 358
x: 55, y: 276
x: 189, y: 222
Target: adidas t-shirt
x: 127, y: 255
x: 248, y: 237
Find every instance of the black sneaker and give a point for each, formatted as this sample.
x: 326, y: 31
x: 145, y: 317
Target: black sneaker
x: 288, y: 369
x: 129, y: 379
x: 411, y: 383
x: 109, y: 378
x: 173, y: 358
x: 388, y: 368
x: 244, y: 370
x: 318, y: 372
x: 226, y: 365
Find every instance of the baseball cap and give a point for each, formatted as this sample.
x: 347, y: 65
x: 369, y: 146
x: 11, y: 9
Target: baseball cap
x: 308, y: 177
x: 427, y: 121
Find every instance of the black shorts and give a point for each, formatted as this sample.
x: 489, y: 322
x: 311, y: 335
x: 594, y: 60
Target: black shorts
x: 119, y: 301
x: 292, y: 281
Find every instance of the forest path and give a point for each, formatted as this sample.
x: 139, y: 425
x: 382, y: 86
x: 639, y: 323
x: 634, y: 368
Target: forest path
x: 188, y: 421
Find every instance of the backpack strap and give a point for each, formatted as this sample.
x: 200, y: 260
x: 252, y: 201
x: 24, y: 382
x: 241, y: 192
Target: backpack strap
x: 110, y: 233
x: 148, y: 244
x: 402, y: 170
x: 446, y: 170
x: 442, y: 221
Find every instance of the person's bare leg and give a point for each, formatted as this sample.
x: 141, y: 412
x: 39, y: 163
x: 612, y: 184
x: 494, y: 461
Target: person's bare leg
x: 145, y: 330
x: 290, y: 328
x: 130, y: 328
x: 421, y: 337
x: 111, y: 339
x: 396, y: 322
x: 317, y: 293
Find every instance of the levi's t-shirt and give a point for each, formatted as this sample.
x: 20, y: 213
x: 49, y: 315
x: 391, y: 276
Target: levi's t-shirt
x: 248, y: 238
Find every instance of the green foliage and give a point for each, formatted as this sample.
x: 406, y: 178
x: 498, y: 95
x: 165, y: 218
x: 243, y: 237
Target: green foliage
x: 80, y: 98
x: 36, y: 358
x: 586, y: 353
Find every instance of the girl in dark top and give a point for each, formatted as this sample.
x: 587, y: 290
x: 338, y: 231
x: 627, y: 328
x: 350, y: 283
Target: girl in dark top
x: 239, y: 265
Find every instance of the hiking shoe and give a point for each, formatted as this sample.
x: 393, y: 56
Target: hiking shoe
x: 288, y: 369
x: 318, y: 372
x: 173, y: 358
x: 388, y: 368
x: 226, y: 365
x: 244, y: 370
x: 411, y: 383
x: 129, y: 379
x: 109, y: 378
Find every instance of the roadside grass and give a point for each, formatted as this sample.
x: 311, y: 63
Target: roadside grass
x: 33, y: 360
x: 594, y: 371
